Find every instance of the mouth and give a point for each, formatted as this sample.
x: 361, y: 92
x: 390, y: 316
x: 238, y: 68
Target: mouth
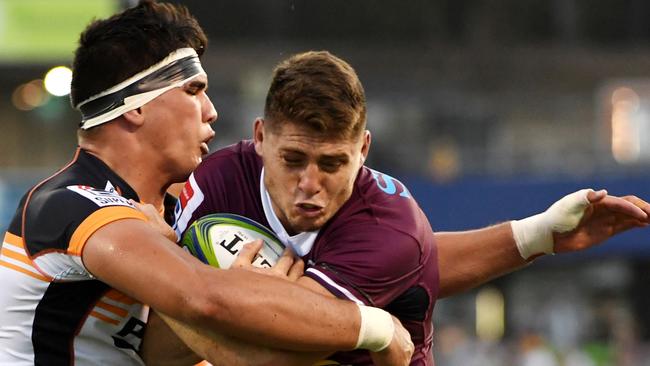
x: 205, y: 149
x: 309, y: 210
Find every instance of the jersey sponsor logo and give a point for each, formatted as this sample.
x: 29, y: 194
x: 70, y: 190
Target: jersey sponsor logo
x: 101, y: 197
x: 191, y: 198
x: 72, y: 273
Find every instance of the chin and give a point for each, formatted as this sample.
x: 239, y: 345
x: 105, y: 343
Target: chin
x: 183, y: 174
x: 308, y: 226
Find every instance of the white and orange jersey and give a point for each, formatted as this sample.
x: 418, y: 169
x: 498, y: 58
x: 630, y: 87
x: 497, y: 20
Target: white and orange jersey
x: 54, y: 312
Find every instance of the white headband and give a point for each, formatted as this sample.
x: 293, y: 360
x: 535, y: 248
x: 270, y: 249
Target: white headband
x: 173, y: 71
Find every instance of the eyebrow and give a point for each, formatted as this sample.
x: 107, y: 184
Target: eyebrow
x: 337, y: 157
x: 198, y: 84
x: 341, y: 156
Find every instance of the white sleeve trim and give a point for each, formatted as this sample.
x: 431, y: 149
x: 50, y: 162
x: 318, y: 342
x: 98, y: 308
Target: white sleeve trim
x: 330, y: 282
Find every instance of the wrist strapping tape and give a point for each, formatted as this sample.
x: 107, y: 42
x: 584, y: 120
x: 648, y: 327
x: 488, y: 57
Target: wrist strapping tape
x: 376, y: 330
x: 534, y: 235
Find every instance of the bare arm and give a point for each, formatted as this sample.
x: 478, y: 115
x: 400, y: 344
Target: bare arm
x: 162, y: 347
x: 161, y: 344
x: 399, y: 352
x: 470, y: 258
x: 133, y: 258
x: 467, y: 259
x: 166, y: 344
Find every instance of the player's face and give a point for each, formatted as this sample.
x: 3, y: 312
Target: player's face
x: 179, y: 125
x: 307, y: 176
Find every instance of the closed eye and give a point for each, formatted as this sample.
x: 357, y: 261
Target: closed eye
x: 332, y: 164
x: 195, y: 87
x: 293, y: 161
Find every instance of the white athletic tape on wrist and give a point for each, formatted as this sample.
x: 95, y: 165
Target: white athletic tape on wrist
x: 534, y: 235
x: 377, y: 329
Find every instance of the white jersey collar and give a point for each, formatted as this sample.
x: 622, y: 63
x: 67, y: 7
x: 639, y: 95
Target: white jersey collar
x: 301, y: 243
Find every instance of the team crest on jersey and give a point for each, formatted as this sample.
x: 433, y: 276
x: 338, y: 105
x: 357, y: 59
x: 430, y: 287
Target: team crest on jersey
x: 101, y: 197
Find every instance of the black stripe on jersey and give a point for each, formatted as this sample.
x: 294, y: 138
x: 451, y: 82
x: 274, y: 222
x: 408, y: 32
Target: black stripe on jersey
x: 58, y: 319
x: 412, y: 304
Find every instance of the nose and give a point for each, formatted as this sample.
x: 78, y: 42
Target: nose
x: 208, y: 112
x: 309, y: 181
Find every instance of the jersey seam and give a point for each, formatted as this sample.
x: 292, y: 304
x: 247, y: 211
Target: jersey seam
x: 31, y: 192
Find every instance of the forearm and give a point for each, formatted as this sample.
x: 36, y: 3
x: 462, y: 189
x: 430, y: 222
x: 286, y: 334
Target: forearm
x: 222, y: 350
x: 239, y: 303
x: 470, y: 258
x: 162, y: 347
x: 276, y: 313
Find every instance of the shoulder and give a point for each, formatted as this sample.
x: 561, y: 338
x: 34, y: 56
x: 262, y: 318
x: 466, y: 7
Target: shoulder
x: 381, y: 221
x: 54, y: 216
x: 230, y: 165
x: 225, y: 181
x: 383, y: 203
x: 239, y: 154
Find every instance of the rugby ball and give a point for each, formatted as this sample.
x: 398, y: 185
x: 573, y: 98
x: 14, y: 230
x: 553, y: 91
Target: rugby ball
x: 216, y: 240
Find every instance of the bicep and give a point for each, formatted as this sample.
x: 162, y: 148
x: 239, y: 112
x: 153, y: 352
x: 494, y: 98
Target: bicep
x: 130, y: 256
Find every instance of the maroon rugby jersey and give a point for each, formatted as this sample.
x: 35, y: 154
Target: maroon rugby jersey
x: 377, y: 250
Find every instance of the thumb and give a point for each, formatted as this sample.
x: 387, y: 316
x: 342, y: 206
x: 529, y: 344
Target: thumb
x: 595, y: 196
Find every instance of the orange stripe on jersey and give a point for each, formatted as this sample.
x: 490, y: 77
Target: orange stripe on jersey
x: 13, y: 240
x: 119, y: 297
x: 98, y: 219
x: 23, y: 270
x: 104, y: 318
x: 17, y: 256
x: 113, y: 309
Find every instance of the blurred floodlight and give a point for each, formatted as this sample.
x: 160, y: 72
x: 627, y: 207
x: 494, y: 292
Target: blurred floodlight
x: 29, y: 96
x: 17, y: 99
x: 57, y: 81
x: 490, y: 314
x: 626, y: 139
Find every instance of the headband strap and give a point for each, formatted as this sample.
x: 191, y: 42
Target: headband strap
x: 173, y: 71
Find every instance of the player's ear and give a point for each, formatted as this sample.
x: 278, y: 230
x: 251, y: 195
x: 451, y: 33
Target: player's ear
x: 134, y: 117
x: 258, y: 135
x: 367, y: 138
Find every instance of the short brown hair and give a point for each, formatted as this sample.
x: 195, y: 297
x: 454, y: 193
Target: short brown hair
x: 317, y: 90
x: 114, y: 49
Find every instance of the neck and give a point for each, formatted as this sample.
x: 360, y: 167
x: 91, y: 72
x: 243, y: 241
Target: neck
x: 137, y: 167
